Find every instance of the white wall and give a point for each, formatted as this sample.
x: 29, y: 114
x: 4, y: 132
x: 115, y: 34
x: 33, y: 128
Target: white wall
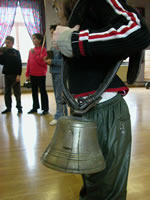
x: 51, y: 18
x: 145, y: 4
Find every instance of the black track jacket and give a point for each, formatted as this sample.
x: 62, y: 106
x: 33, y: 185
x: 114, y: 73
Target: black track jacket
x: 110, y: 30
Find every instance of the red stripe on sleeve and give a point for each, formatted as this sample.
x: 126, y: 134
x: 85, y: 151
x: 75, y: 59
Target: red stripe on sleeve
x: 82, y: 52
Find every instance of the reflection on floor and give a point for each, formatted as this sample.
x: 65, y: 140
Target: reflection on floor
x: 23, y: 138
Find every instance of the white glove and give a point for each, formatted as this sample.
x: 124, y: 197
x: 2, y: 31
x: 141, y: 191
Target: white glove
x: 61, y: 39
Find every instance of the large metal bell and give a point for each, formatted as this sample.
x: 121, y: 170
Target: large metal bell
x: 74, y: 147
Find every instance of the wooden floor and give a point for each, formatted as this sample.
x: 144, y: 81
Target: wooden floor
x: 23, y: 138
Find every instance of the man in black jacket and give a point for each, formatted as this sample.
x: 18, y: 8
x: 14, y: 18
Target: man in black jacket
x: 12, y: 67
x: 97, y: 35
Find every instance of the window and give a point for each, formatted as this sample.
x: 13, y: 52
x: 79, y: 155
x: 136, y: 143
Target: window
x: 23, y: 41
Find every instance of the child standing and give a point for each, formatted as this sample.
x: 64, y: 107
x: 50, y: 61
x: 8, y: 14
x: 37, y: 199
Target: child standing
x: 36, y: 72
x: 55, y: 69
x: 12, y: 67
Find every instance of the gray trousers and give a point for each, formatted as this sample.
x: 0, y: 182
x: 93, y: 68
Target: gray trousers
x: 10, y: 83
x: 114, y: 135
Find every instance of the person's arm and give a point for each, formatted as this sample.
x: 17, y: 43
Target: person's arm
x: 19, y: 66
x: 57, y: 60
x: 125, y: 34
x: 122, y: 41
x: 1, y: 59
x: 28, y: 68
x: 40, y: 58
x: 19, y: 63
x: 2, y: 51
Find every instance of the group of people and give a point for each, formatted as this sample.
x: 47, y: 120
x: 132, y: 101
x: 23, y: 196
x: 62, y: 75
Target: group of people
x: 36, y: 71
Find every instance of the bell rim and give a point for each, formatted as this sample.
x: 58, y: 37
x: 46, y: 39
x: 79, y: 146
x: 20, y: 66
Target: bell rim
x: 73, y: 171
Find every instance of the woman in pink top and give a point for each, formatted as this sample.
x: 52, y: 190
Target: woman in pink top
x: 36, y: 72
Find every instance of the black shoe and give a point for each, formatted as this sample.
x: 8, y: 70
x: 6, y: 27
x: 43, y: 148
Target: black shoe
x: 6, y: 111
x: 44, y: 112
x: 20, y: 111
x: 32, y: 111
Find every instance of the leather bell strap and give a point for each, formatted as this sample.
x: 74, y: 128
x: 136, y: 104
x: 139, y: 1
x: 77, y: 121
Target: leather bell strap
x: 84, y: 105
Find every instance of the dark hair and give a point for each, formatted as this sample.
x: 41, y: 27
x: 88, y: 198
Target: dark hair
x: 39, y: 37
x: 10, y: 38
x: 53, y: 27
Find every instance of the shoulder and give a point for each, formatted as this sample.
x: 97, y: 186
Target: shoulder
x: 16, y: 51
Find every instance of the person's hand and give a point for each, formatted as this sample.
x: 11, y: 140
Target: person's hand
x: 60, y: 30
x: 27, y: 78
x: 48, y: 61
x: 17, y: 78
x: 61, y: 39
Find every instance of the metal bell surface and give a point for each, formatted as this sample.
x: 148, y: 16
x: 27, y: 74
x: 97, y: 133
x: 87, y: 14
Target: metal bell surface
x: 74, y: 147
